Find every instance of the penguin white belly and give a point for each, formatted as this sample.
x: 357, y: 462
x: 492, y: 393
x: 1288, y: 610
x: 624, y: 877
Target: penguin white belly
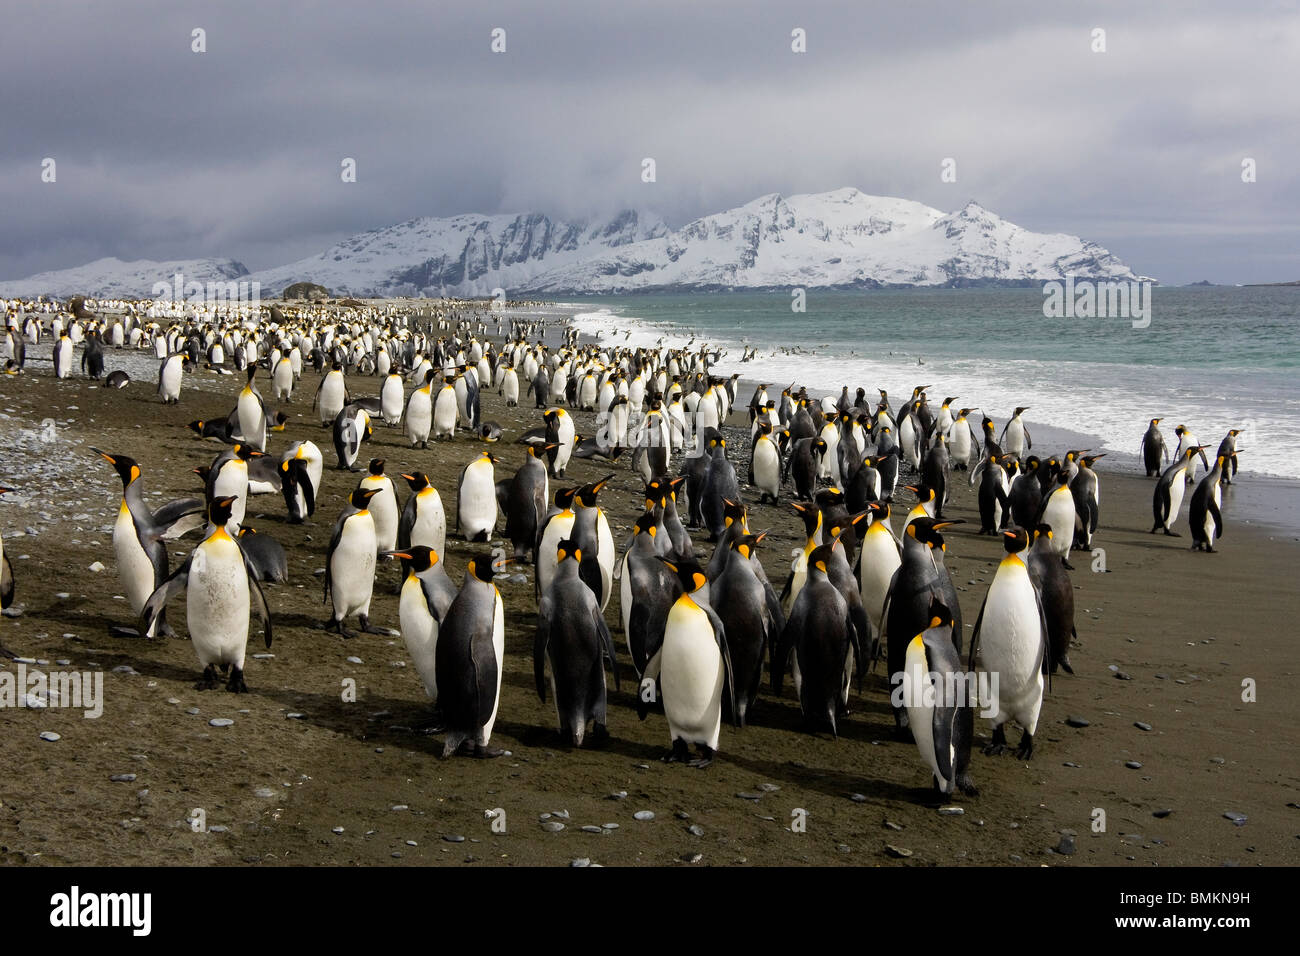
x: 430, y: 525
x: 1013, y: 441
x: 1010, y: 639
x: 879, y: 561
x: 390, y: 399
x: 499, y: 648
x: 691, y: 673
x: 217, y: 603
x: 799, y: 568
x: 419, y: 416
x: 1060, y: 515
x: 133, y: 564
x: 510, y: 388
x: 383, y: 508
x: 233, y: 480
x: 1177, y: 488
x: 959, y: 442
x: 445, y: 414
x: 478, y: 502
x: 920, y: 712
x: 282, y: 380
x: 420, y: 633
x: 352, y: 567
x: 171, y: 380
x: 767, y: 467
x: 557, y: 529
x: 252, y: 420
x: 331, y: 398
x: 624, y: 602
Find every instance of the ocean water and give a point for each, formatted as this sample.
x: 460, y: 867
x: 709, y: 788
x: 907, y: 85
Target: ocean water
x: 1211, y: 358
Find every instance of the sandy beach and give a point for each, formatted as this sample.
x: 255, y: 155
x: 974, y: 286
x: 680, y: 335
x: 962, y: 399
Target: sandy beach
x: 1166, y: 639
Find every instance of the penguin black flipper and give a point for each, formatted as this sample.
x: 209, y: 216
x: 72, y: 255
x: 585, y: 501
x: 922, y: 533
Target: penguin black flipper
x: 1214, y: 512
x: 975, y: 635
x: 860, y: 638
x: 157, y: 601
x: 729, y: 684
x: 606, y: 642
x: 335, y: 538
x: 257, y: 600
x: 6, y: 582
x: 540, y: 640
x: 178, y: 518
x: 483, y: 661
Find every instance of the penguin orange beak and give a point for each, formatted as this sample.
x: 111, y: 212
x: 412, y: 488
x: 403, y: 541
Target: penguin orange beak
x: 107, y: 457
x: 409, y: 477
x: 399, y: 554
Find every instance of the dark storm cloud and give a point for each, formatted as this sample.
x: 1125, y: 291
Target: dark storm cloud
x: 164, y: 153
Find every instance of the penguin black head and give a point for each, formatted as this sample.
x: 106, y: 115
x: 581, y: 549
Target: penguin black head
x: 485, y: 567
x: 922, y: 491
x: 732, y: 511
x: 376, y: 466
x: 1021, y: 410
x: 587, y: 494
x: 819, y: 558
x: 939, y: 614
x: 281, y: 419
x: 879, y: 511
x: 564, y: 498
x: 820, y: 445
x: 1015, y: 540
x: 566, y: 550
x: 220, y: 509
x: 126, y: 468
x: 252, y: 370
x: 810, y: 514
x: 689, y: 574
x: 656, y: 491
x: 421, y: 558
x: 244, y: 452
x: 927, y: 530
x: 538, y: 450
x: 418, y: 480
x: 1089, y: 459
x: 1032, y: 463
x: 746, y: 544
x: 1155, y: 422
x: 1043, y: 531
x: 647, y: 524
x: 361, y: 497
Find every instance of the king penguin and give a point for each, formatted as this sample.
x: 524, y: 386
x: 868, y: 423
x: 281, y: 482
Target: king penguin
x: 573, y: 637
x: 693, y: 667
x: 941, y: 717
x: 476, y: 501
x: 427, y: 594
x: 471, y: 645
x: 350, y: 565
x: 1205, y: 517
x: 1010, y: 641
x: 221, y: 590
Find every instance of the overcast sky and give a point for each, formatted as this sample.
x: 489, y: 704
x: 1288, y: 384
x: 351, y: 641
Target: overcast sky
x: 163, y: 153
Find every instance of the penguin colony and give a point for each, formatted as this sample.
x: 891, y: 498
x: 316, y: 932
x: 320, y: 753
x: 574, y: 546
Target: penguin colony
x: 698, y: 622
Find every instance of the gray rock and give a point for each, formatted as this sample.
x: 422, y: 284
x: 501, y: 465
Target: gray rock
x: 50, y: 736
x: 1066, y: 846
x: 552, y: 826
x: 1075, y: 722
x: 858, y: 797
x: 220, y: 722
x: 617, y: 795
x: 1132, y: 764
x: 264, y: 792
x: 897, y: 851
x: 951, y: 811
x: 1161, y: 814
x: 643, y: 815
x: 695, y: 830
x: 453, y: 838
x: 1141, y: 726
x: 123, y: 778
x: 592, y: 829
x: 192, y: 711
x: 1238, y: 819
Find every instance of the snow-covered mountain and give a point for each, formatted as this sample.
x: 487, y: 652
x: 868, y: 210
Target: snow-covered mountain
x: 112, y: 278
x: 843, y: 238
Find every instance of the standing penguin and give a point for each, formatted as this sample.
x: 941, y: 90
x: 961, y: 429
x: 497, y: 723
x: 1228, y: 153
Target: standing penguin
x: 62, y: 356
x: 693, y: 667
x: 1168, y: 496
x: 824, y: 644
x: 941, y: 715
x: 383, y: 505
x: 526, y: 501
x: 647, y: 591
x: 331, y: 394
x: 251, y: 410
x: 720, y: 486
x: 471, y: 646
x: 1057, y: 511
x: 921, y: 578
x: 751, y: 623
x: 1086, y: 490
x: 476, y: 500
x: 765, y: 465
x: 92, y: 356
x: 423, y: 520
x: 350, y: 565
x: 572, y: 635
x: 1010, y: 640
x: 221, y: 590
x: 170, y: 370
x: 139, y: 534
x: 427, y: 594
x: 1055, y: 591
x: 1015, y: 438
x: 1228, y: 449
x: 419, y: 409
x: 1205, y: 517
x: 1154, y: 452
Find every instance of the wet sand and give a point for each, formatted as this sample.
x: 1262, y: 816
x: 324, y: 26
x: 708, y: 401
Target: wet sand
x: 1186, y: 628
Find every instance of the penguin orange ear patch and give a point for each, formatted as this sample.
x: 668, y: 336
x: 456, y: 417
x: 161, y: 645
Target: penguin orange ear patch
x: 699, y: 579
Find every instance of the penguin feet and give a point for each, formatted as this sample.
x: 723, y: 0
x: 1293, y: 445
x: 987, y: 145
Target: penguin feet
x: 236, y: 683
x: 679, y: 754
x: 209, y: 680
x: 1172, y: 534
x: 487, y: 753
x: 999, y: 745
x: 1026, y: 749
x: 704, y: 759
x: 1067, y: 565
x: 369, y: 628
x: 966, y: 785
x: 599, y: 736
x: 1065, y: 664
x: 338, y: 628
